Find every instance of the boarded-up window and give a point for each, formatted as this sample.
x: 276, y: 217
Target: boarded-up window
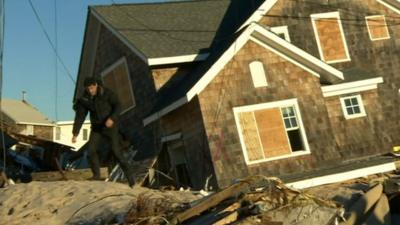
x: 269, y: 132
x: 117, y: 78
x: 377, y: 27
x: 330, y: 37
x: 258, y: 74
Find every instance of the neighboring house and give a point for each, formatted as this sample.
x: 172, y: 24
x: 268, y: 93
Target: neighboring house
x: 226, y: 89
x: 63, y: 133
x: 23, y: 118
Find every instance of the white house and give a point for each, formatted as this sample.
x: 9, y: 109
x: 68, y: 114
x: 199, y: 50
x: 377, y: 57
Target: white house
x: 63, y: 133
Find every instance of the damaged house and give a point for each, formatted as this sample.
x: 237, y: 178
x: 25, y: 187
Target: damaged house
x: 217, y: 90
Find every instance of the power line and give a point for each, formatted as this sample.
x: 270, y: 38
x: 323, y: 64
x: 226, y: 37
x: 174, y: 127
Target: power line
x: 49, y: 40
x: 56, y: 59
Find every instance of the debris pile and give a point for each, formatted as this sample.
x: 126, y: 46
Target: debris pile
x: 255, y: 200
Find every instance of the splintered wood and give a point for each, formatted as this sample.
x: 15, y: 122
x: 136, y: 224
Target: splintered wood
x: 250, y: 201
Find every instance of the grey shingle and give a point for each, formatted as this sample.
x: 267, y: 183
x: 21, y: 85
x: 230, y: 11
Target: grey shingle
x: 176, y: 28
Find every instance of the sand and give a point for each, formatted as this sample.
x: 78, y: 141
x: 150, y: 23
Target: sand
x: 70, y: 202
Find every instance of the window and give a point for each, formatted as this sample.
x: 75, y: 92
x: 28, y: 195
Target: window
x: 258, y: 74
x: 117, y: 78
x: 377, y: 28
x: 352, y: 107
x: 271, y: 131
x: 330, y: 37
x: 29, y: 130
x: 58, y: 133
x: 85, y: 134
x: 281, y: 31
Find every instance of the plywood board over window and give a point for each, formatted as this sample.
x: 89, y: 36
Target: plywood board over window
x: 377, y: 27
x: 117, y: 78
x: 271, y: 131
x: 330, y: 37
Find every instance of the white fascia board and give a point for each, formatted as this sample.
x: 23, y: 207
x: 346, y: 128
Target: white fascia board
x: 351, y: 87
x: 177, y: 59
x: 119, y: 36
x: 389, y: 6
x: 270, y: 35
x: 221, y: 62
x: 37, y: 124
x: 339, y: 177
x: 259, y: 13
x: 70, y: 122
x: 155, y: 116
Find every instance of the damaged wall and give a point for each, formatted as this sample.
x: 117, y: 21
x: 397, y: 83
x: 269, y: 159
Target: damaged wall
x: 233, y: 87
x: 378, y: 57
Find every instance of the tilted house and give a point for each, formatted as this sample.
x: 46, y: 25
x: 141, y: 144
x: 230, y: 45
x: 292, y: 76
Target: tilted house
x: 21, y: 117
x: 219, y: 90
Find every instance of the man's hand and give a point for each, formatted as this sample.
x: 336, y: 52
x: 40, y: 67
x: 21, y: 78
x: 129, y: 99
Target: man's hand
x: 73, y: 139
x: 109, y: 123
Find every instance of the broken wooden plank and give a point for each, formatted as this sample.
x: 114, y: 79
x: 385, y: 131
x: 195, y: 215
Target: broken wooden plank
x: 213, y: 200
x: 363, y: 205
x: 232, y: 217
x: 80, y: 174
x: 380, y: 214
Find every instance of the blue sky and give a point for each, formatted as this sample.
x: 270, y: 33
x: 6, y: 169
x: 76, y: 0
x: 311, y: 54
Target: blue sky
x: 29, y: 61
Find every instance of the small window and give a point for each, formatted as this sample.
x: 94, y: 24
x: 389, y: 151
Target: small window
x: 352, y: 107
x: 29, y: 130
x: 281, y: 31
x: 258, y: 74
x: 271, y: 131
x: 377, y: 28
x: 85, y: 134
x: 117, y: 78
x: 330, y: 37
x: 58, y: 133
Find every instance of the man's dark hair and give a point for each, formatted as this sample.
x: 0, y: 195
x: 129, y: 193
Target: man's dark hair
x: 90, y: 81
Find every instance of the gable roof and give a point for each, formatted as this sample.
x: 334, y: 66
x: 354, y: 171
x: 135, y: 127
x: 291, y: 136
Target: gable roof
x: 170, y: 29
x: 184, y: 91
x: 21, y: 112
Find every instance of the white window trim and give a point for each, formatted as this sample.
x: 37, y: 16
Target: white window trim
x: 360, y: 104
x: 282, y: 103
x: 327, y: 16
x: 113, y: 66
x: 282, y: 30
x: 258, y: 75
x: 369, y: 31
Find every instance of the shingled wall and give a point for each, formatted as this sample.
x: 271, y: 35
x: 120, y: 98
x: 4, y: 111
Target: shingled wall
x: 379, y: 57
x: 233, y: 87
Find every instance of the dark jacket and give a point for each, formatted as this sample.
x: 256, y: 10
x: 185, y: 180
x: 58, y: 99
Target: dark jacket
x: 101, y: 107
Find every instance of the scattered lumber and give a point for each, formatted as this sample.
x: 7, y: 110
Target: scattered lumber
x: 80, y: 174
x: 363, y: 205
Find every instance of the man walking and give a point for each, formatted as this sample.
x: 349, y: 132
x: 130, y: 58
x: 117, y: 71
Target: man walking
x: 104, y: 108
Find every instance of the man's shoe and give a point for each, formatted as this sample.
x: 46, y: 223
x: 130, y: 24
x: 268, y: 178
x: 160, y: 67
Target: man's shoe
x: 95, y: 178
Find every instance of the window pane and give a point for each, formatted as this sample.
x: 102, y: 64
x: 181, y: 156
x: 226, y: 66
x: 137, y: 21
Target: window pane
x: 354, y: 101
x: 287, y: 123
x: 347, y: 102
x: 350, y: 111
x: 285, y: 112
x: 356, y: 109
x: 291, y: 111
x: 293, y: 122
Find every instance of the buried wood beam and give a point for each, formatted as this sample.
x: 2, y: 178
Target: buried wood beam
x: 358, y: 210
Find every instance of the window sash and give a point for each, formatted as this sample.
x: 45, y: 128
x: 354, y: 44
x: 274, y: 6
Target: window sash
x: 250, y: 110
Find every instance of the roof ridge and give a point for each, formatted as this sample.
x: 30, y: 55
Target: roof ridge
x: 157, y: 3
